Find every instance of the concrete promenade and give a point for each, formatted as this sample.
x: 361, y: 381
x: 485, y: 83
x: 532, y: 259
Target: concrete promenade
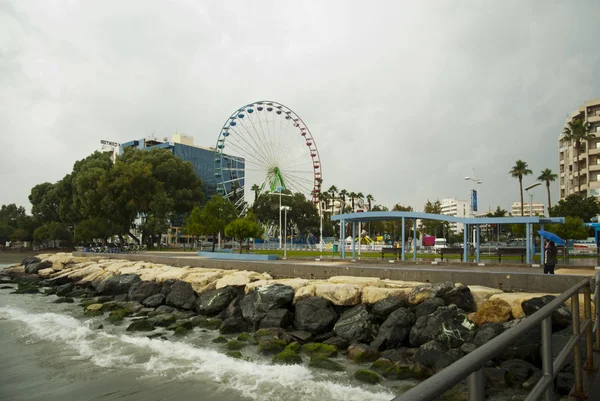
x: 508, y: 277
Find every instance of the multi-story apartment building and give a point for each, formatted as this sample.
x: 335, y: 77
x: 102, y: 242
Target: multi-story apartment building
x: 588, y: 167
x: 457, y: 208
x: 537, y: 209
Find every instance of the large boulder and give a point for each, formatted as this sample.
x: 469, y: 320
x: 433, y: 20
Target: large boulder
x: 526, y: 347
x: 339, y: 294
x: 362, y: 353
x: 144, y: 289
x: 519, y: 371
x: 181, y: 295
x: 259, y: 302
x: 395, y: 330
x: 561, y: 317
x: 460, y: 296
x: 35, y: 267
x: 31, y: 259
x: 356, y: 325
x: 154, y: 301
x: 426, y: 291
x: 315, y: 315
x: 493, y: 311
x: 487, y: 332
x: 277, y: 318
x: 515, y: 300
x: 213, y: 302
x: 448, y: 325
x: 429, y: 353
x: 428, y: 306
x: 233, y: 325
x: 481, y: 293
x: 372, y: 295
x: 382, y: 309
x: 117, y: 285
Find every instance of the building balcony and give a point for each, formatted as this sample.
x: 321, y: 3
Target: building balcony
x: 594, y: 167
x: 594, y: 118
x: 594, y: 151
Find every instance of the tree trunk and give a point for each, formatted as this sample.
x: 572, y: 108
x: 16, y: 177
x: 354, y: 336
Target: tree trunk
x: 213, y: 242
x: 521, y: 186
x: 578, y: 171
x: 241, y: 244
x: 548, y: 188
x: 134, y: 237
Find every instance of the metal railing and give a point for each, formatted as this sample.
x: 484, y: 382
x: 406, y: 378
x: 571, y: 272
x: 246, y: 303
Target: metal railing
x: 470, y: 367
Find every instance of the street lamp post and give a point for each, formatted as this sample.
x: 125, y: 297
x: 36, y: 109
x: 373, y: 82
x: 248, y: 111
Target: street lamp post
x: 471, y: 206
x: 532, y: 249
x: 285, y: 209
x: 279, y: 189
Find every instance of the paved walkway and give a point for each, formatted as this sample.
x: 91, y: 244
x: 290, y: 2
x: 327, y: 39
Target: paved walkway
x: 589, y: 271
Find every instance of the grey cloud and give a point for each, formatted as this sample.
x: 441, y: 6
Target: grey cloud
x: 404, y: 99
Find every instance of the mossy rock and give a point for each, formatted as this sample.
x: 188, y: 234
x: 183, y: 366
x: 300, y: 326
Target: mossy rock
x: 47, y: 291
x: 235, y: 354
x: 269, y: 346
x: 287, y: 357
x: 219, y: 340
x: 26, y: 289
x: 391, y: 370
x: 322, y: 362
x: 117, y: 316
x: 64, y: 300
x: 140, y: 325
x: 185, y: 324
x: 367, y: 376
x: 87, y: 302
x: 180, y: 331
x: 206, y: 323
x: 243, y: 337
x: 111, y: 306
x: 420, y: 373
x: 10, y: 287
x: 235, y: 345
x: 293, y: 346
x: 162, y: 320
x: 320, y: 349
x: 362, y: 354
x: 93, y: 310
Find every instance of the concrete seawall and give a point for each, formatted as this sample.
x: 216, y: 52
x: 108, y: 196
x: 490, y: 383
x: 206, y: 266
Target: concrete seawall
x: 508, y: 281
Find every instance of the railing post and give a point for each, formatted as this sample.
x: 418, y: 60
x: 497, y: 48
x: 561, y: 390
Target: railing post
x: 476, y: 386
x: 578, y: 392
x: 589, y: 344
x: 547, y: 361
x: 597, y: 301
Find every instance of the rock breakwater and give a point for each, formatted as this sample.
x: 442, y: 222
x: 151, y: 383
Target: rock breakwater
x: 398, y: 330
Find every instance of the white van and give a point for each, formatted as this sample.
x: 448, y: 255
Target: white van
x: 439, y: 244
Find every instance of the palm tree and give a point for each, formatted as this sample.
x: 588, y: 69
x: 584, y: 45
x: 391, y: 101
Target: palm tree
x: 361, y: 197
x: 332, y: 190
x: 352, y: 196
x: 547, y: 176
x: 256, y: 189
x: 343, y: 194
x: 369, y: 200
x: 577, y: 130
x: 518, y: 171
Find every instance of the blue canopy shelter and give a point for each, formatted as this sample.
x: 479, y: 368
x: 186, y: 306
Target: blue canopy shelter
x: 475, y: 222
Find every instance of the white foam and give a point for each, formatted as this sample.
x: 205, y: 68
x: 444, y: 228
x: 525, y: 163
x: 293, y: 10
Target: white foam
x: 259, y: 381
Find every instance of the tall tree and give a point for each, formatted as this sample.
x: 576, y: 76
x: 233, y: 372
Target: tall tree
x: 343, y: 194
x: 216, y: 215
x: 256, y: 190
x: 578, y: 131
x: 547, y: 176
x: 370, y: 199
x: 332, y: 190
x: 243, y: 228
x: 352, y: 196
x: 576, y: 205
x: 45, y: 202
x: 519, y: 170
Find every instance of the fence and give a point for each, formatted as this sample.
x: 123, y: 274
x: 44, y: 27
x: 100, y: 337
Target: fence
x: 470, y: 367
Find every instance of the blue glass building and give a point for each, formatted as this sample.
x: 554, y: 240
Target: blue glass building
x: 202, y: 160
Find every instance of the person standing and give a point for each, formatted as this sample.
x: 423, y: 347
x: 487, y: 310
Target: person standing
x: 550, y: 260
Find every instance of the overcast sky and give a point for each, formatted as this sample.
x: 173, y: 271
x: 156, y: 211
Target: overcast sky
x: 404, y: 98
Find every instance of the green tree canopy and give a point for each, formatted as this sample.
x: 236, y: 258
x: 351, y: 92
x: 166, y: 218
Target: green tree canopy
x: 572, y: 229
x: 243, y: 228
x: 576, y: 205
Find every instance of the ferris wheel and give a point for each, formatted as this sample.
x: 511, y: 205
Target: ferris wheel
x: 265, y: 146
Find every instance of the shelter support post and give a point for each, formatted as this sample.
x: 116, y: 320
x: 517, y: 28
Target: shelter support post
x: 478, y: 243
x: 403, y: 239
x: 542, y: 247
x: 353, y: 240
x: 528, y: 242
x: 343, y: 239
x: 465, y: 242
x: 414, y: 241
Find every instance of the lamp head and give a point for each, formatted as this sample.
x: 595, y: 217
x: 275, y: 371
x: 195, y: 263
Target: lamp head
x: 533, y: 186
x: 467, y: 178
